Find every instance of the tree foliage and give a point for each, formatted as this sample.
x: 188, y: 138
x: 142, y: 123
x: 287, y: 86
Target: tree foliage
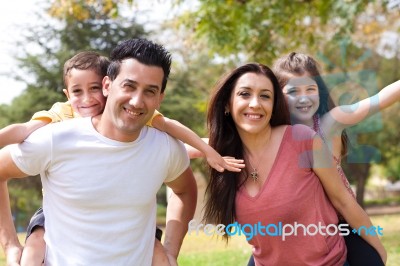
x: 77, y: 9
x: 262, y: 30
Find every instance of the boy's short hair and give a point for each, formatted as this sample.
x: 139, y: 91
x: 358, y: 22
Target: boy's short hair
x: 144, y: 51
x: 86, y: 60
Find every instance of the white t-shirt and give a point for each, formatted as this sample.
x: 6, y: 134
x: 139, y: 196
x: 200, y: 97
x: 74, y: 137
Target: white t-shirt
x: 99, y: 194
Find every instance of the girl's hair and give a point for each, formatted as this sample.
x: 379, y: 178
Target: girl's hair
x: 224, y: 138
x: 300, y: 64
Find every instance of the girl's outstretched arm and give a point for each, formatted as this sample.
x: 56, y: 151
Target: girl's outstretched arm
x: 345, y: 116
x: 17, y: 133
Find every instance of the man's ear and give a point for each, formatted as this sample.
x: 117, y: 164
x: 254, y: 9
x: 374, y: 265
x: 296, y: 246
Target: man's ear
x: 106, y: 86
x: 66, y: 93
x: 162, y: 95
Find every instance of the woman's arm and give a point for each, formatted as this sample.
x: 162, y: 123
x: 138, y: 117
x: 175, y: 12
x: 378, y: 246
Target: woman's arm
x: 17, y: 133
x: 325, y: 169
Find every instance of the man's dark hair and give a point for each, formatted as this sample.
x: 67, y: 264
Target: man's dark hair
x: 144, y: 51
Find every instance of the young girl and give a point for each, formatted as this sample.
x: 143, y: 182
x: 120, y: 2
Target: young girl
x: 310, y: 104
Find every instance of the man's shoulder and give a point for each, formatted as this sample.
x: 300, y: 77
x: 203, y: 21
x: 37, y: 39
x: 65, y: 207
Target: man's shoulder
x: 160, y: 135
x: 72, y: 122
x: 66, y: 127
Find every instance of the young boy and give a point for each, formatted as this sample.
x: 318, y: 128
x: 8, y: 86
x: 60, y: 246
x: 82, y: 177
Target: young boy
x: 83, y: 75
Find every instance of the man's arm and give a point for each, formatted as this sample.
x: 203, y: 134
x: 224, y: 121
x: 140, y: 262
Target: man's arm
x: 180, y: 210
x: 8, y: 236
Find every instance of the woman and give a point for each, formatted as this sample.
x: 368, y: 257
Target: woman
x: 281, y: 184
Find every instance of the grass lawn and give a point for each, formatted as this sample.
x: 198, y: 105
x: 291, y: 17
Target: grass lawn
x: 391, y: 236
x: 210, y: 251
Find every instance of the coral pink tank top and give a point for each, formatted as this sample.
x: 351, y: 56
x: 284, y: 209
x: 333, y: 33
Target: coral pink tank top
x: 292, y: 194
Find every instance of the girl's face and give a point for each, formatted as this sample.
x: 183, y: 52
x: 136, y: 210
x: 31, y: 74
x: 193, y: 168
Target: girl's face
x: 302, y: 96
x: 251, y: 103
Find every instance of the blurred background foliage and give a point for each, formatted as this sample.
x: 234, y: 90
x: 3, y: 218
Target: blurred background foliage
x: 207, y: 38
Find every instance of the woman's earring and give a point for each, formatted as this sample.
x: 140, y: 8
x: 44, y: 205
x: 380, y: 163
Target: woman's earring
x: 226, y: 113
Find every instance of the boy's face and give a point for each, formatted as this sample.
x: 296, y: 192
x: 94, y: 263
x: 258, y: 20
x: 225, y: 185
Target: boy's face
x: 84, y: 92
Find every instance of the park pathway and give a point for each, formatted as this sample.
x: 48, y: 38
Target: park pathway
x: 380, y: 210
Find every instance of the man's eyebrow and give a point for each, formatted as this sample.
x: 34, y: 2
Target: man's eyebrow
x: 154, y: 87
x: 129, y: 81
x: 135, y: 82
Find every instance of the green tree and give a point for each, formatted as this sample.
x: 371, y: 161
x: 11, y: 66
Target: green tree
x: 262, y: 30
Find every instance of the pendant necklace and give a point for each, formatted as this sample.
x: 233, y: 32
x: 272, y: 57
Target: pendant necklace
x: 254, y: 173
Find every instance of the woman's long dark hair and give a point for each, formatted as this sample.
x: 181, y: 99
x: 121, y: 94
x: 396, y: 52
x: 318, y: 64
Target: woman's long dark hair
x: 299, y: 64
x: 224, y: 138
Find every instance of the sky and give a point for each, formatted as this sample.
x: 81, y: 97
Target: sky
x: 12, y: 15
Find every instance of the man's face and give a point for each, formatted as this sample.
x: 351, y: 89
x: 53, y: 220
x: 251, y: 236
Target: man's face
x: 131, y: 99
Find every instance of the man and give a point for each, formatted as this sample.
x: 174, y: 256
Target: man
x: 100, y: 175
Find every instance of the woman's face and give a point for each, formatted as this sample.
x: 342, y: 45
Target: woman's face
x: 251, y: 103
x: 302, y: 96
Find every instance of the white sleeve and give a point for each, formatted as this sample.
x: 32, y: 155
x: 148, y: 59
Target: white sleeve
x: 179, y: 159
x: 33, y: 155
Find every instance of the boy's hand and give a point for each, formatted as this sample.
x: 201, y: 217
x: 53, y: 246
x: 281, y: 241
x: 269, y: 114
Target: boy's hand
x: 224, y: 163
x: 232, y: 164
